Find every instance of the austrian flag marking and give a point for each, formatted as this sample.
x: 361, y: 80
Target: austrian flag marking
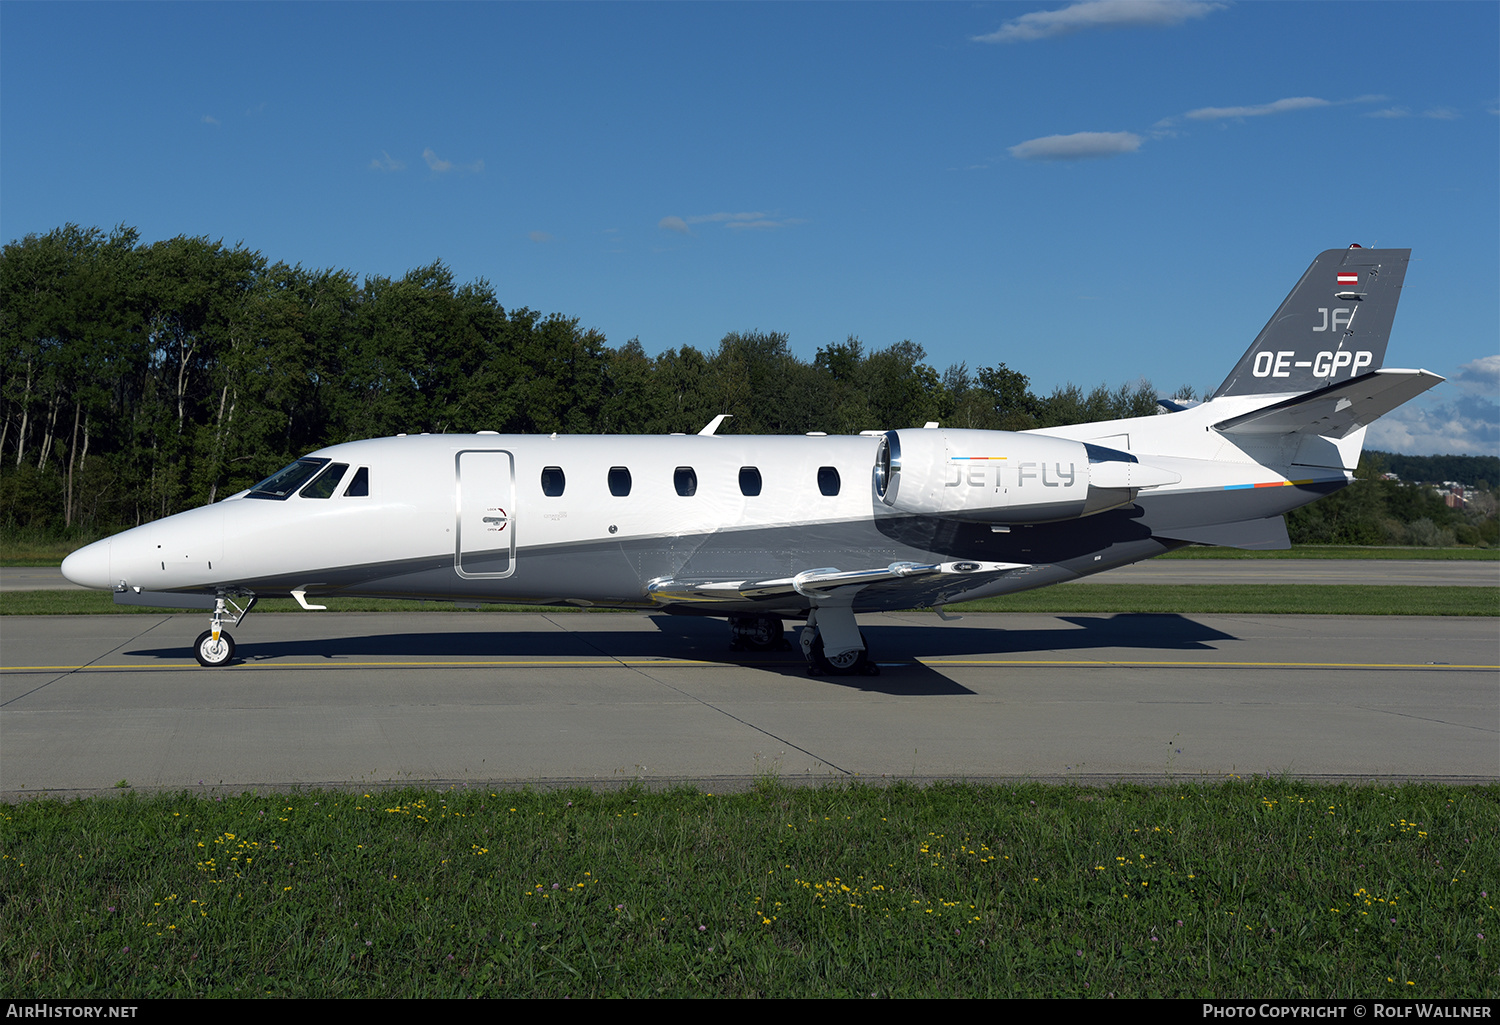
x: 1348, y: 278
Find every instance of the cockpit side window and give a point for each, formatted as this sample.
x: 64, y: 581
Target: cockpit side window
x: 326, y: 483
x: 287, y: 480
x: 359, y: 486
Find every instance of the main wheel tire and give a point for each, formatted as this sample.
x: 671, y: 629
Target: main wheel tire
x: 770, y: 635
x: 757, y: 633
x: 849, y: 663
x: 214, y: 654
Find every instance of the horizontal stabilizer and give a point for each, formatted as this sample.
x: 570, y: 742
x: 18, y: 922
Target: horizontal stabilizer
x: 1337, y: 410
x: 1257, y: 535
x: 813, y: 583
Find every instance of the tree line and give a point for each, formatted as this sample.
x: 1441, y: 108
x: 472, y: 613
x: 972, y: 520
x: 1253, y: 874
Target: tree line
x: 1475, y: 471
x: 1377, y: 511
x: 143, y: 379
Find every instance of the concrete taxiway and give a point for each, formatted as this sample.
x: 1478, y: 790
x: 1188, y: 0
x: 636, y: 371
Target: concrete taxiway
x: 594, y: 698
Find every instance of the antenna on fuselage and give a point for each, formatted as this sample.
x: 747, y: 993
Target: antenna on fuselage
x: 713, y: 425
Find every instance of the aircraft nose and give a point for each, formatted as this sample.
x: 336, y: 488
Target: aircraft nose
x: 89, y: 566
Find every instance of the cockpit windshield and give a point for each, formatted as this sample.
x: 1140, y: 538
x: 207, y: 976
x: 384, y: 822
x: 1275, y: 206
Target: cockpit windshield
x: 287, y: 480
x: 326, y: 483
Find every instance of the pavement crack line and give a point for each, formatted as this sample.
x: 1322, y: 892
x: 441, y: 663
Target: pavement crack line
x: 90, y: 663
x: 641, y: 671
x: 1428, y: 718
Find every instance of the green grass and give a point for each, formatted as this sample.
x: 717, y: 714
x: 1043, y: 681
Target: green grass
x: 1339, y: 552
x: 1249, y: 599
x: 1259, y: 888
x: 29, y: 551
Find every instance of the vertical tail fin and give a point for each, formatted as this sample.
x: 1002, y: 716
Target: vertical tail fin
x: 1334, y: 325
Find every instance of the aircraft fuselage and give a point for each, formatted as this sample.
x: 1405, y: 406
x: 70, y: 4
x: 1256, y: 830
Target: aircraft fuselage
x: 589, y: 520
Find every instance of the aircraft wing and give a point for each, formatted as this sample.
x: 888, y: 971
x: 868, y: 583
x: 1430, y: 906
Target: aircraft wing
x: 920, y: 580
x: 1337, y: 410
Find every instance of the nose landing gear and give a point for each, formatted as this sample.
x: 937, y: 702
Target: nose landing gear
x: 214, y: 647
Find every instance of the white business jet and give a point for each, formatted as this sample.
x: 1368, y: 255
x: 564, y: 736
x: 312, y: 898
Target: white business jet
x: 815, y: 529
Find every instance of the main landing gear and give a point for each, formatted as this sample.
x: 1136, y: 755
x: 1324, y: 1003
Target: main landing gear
x: 757, y: 633
x: 831, y: 641
x: 214, y: 647
x: 833, y: 645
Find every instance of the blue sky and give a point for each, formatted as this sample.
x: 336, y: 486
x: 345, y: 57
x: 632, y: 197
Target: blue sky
x: 1089, y: 192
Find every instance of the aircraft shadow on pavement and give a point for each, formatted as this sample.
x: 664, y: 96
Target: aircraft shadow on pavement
x: 894, y: 646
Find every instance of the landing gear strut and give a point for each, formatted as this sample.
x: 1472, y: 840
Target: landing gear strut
x: 214, y: 647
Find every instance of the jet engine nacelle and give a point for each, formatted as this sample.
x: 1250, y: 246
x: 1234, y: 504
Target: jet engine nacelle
x: 1001, y: 477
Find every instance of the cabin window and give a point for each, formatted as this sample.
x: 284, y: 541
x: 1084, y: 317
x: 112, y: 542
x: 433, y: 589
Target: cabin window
x: 828, y: 480
x: 326, y: 483
x: 749, y: 481
x: 685, y: 480
x: 619, y: 481
x: 553, y: 481
x: 287, y: 480
x: 359, y: 487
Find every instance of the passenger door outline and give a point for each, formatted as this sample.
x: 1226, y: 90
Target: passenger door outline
x: 485, y: 514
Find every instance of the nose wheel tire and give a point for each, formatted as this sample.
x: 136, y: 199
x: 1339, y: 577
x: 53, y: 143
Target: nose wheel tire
x: 212, y: 653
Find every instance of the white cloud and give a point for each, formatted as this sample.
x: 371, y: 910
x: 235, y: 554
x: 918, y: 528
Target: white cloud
x: 764, y: 224
x: 1093, y: 145
x: 209, y: 119
x: 1440, y: 424
x: 1390, y: 112
x: 1470, y: 428
x: 1099, y: 14
x: 1078, y: 146
x: 721, y: 217
x: 1278, y: 107
x: 753, y: 221
x: 1442, y: 113
x: 441, y: 166
x: 1480, y: 376
x: 386, y: 162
